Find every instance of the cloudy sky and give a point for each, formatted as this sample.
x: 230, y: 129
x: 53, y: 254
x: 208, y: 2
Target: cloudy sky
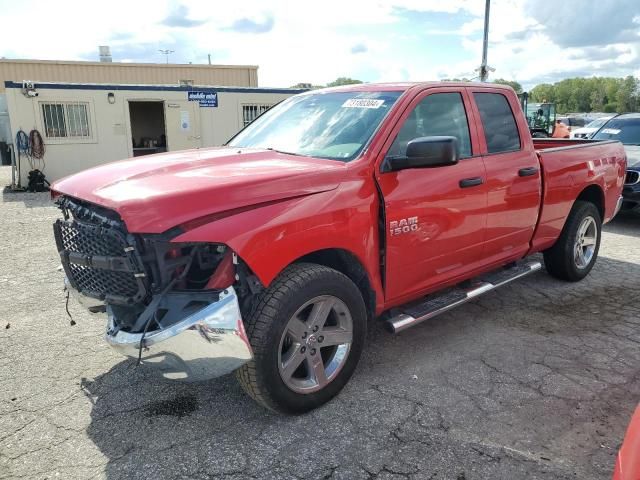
x: 532, y: 41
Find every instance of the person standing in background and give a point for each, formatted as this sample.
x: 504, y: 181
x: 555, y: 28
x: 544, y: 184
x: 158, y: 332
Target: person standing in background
x: 560, y: 130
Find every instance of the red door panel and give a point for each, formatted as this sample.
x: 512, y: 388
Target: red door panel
x: 514, y: 185
x: 512, y: 204
x: 434, y: 227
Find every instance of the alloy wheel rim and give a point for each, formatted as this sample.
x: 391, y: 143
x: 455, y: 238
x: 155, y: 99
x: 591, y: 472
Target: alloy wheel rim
x: 586, y: 240
x: 315, y: 344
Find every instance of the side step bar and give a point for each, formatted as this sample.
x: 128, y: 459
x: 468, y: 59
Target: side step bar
x: 438, y: 303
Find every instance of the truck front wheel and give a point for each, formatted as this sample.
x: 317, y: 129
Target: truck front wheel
x: 573, y: 255
x: 307, y: 331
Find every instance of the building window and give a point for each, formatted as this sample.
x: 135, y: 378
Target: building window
x: 186, y: 83
x: 66, y: 120
x: 251, y: 112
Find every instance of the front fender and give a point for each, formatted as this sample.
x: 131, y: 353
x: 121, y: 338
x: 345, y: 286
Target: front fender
x: 268, y: 238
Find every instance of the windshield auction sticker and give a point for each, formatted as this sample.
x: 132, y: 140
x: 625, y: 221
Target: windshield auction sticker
x: 362, y: 103
x: 611, y: 131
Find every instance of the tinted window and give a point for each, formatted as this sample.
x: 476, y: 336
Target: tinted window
x: 500, y: 129
x: 438, y: 114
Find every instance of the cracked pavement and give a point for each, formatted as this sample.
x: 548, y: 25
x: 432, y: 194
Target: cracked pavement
x: 537, y: 380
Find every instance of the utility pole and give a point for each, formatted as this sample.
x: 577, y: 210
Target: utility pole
x: 166, y: 53
x: 484, y: 68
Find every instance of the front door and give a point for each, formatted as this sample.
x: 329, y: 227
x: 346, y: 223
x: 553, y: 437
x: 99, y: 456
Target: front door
x: 514, y: 186
x: 435, y: 217
x: 183, y: 125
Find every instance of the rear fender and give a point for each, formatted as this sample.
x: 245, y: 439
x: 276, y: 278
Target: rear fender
x: 567, y: 175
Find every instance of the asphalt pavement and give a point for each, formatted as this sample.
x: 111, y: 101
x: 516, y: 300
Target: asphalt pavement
x: 536, y: 380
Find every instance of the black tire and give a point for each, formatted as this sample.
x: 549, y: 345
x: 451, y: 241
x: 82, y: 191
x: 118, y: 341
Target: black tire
x: 560, y: 260
x: 266, y: 323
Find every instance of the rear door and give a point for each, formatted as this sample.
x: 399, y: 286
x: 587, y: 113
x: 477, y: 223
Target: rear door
x: 183, y: 125
x: 435, y: 217
x: 513, y: 176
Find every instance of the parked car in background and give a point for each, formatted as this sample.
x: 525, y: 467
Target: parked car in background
x: 590, y: 128
x: 573, y: 121
x: 626, y: 129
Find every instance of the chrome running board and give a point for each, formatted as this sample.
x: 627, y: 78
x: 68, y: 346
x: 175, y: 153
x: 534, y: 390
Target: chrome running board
x: 433, y: 305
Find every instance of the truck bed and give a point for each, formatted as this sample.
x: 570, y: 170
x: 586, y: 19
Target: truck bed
x: 570, y: 167
x: 547, y: 143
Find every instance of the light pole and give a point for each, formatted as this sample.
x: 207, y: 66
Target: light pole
x: 166, y: 53
x: 484, y: 68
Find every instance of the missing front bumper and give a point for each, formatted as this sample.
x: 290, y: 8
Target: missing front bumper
x: 206, y: 344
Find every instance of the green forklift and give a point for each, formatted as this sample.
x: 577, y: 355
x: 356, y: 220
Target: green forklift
x: 541, y: 117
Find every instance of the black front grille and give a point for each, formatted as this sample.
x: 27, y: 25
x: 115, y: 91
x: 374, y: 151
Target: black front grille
x: 92, y: 239
x: 100, y: 283
x: 100, y: 260
x: 632, y: 177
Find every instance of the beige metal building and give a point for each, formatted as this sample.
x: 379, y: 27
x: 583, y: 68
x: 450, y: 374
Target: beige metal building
x: 130, y: 73
x: 87, y: 123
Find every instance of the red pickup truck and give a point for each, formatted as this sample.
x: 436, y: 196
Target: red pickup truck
x: 270, y: 256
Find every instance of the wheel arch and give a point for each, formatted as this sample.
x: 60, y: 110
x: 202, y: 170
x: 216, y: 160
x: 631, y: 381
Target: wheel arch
x: 350, y: 265
x: 593, y: 194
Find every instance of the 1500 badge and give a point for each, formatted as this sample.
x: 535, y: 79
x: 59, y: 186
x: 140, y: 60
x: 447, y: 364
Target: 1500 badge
x: 404, y: 225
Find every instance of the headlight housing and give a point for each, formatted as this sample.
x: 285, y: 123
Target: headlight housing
x: 187, y: 266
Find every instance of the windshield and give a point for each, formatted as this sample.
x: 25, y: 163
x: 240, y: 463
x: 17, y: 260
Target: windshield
x: 332, y: 125
x: 625, y: 130
x: 597, y: 123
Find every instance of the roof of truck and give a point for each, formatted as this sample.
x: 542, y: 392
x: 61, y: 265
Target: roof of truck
x: 402, y: 86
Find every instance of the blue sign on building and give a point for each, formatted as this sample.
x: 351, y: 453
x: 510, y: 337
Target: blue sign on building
x: 205, y: 99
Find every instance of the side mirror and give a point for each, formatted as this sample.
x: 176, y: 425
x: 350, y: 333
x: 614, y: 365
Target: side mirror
x: 425, y: 152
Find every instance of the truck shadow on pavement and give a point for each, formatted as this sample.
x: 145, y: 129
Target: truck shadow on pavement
x: 536, y: 379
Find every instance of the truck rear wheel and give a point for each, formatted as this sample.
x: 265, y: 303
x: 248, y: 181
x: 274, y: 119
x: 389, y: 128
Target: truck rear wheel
x: 307, y: 331
x: 573, y: 255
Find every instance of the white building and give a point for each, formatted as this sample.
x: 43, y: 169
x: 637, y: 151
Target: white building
x: 88, y: 124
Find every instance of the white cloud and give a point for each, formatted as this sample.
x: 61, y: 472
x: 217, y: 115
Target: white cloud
x: 295, y: 41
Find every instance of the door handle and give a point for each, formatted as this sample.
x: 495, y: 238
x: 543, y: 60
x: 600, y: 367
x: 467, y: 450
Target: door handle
x: 470, y: 182
x: 527, y: 172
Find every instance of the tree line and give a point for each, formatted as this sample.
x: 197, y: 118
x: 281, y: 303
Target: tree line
x: 593, y: 94
x: 336, y: 83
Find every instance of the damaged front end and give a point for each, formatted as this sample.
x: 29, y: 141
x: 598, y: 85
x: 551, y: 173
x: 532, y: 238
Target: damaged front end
x: 171, y: 305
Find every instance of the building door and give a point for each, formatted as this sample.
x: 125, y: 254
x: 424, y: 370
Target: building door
x: 148, y: 133
x: 183, y: 125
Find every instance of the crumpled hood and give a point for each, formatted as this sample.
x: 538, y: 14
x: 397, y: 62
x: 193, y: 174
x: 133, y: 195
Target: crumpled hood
x: 155, y: 193
x: 633, y: 156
